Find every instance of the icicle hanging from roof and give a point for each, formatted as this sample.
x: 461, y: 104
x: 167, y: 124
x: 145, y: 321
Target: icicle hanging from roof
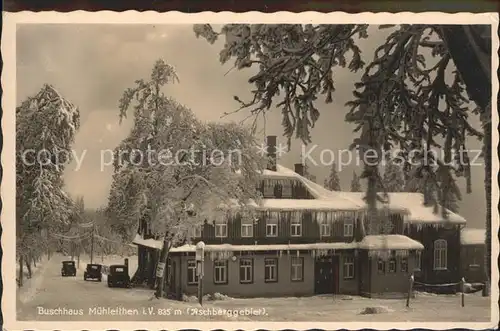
x: 329, y: 217
x: 384, y: 254
x: 402, y: 253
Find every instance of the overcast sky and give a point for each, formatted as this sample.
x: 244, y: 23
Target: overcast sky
x: 91, y: 65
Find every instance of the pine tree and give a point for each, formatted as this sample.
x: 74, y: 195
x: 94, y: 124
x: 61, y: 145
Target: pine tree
x: 393, y: 177
x: 307, y: 171
x: 332, y: 182
x: 355, y: 184
x: 45, y: 122
x: 388, y: 111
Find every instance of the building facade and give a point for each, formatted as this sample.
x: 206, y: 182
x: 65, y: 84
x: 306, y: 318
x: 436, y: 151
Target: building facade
x: 307, y: 240
x: 473, y: 249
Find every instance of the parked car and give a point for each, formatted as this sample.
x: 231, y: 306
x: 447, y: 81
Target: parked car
x: 118, y: 276
x: 93, y: 271
x: 68, y: 268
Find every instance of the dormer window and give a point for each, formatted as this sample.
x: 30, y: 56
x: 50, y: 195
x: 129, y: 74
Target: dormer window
x: 221, y: 229
x: 348, y: 227
x: 247, y: 228
x: 296, y: 226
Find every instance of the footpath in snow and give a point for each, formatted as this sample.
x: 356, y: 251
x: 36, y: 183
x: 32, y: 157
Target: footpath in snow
x: 32, y: 286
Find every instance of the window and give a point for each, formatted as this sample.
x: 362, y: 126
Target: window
x: 192, y: 272
x: 348, y: 228
x: 270, y: 270
x: 247, y: 230
x: 392, y: 265
x: 296, y: 227
x: 404, y: 265
x: 418, y: 261
x: 440, y: 255
x: 220, y: 271
x: 246, y: 270
x: 272, y: 225
x: 348, y: 267
x: 381, y: 266
x: 297, y: 269
x: 325, y: 229
x: 221, y: 229
x: 197, y: 231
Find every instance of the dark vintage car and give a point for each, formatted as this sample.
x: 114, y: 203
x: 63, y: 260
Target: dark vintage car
x: 93, y: 271
x: 118, y: 276
x: 68, y: 268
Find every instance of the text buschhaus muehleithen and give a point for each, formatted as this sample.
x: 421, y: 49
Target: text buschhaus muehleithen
x: 115, y: 311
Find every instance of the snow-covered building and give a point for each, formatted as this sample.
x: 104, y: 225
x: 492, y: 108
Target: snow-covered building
x: 309, y: 240
x: 473, y: 249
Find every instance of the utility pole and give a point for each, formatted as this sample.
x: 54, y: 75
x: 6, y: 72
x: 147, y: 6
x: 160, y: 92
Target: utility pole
x: 200, y: 258
x: 92, y: 243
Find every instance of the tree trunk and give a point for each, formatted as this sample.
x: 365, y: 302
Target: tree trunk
x: 28, y: 264
x: 487, y: 186
x: 162, y: 263
x: 21, y: 271
x: 470, y: 48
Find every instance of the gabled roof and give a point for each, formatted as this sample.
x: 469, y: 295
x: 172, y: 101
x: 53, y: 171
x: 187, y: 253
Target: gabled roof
x: 470, y: 236
x: 408, y: 203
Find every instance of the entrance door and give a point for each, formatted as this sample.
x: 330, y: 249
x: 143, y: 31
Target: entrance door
x: 325, y: 275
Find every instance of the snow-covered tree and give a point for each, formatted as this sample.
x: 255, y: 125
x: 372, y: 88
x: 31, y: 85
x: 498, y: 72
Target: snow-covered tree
x: 194, y: 172
x: 46, y: 125
x: 355, y: 184
x: 402, y: 100
x: 332, y: 182
x: 393, y: 178
x: 307, y: 170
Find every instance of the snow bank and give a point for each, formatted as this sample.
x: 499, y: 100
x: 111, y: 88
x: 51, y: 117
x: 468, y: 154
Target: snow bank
x: 31, y: 286
x: 376, y: 310
x: 470, y: 236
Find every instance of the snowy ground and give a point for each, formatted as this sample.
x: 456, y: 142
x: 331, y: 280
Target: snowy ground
x: 73, y: 293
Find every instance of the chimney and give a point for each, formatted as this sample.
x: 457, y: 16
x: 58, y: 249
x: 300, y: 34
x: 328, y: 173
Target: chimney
x: 299, y: 169
x: 271, y: 153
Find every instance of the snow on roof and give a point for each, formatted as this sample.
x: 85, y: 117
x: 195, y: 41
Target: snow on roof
x: 139, y: 240
x: 307, y: 204
x: 256, y: 248
x: 391, y: 242
x: 412, y: 204
x: 469, y: 236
